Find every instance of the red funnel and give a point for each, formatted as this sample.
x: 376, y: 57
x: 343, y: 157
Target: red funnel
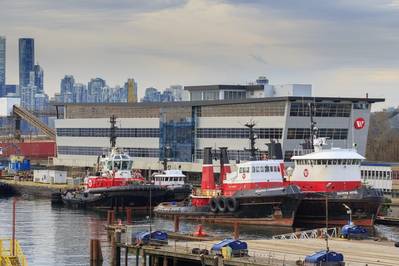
x: 208, y: 178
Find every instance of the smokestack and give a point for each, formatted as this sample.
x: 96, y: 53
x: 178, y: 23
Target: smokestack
x: 208, y: 178
x: 224, y: 164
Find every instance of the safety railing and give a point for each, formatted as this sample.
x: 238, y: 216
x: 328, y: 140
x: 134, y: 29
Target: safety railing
x: 6, y: 256
x: 308, y: 234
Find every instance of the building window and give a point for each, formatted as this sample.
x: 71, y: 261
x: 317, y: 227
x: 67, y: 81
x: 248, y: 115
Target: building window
x: 321, y: 109
x: 95, y: 151
x: 105, y: 132
x: 232, y: 154
x: 234, y: 95
x: 331, y: 133
x: 244, y: 109
x: 239, y: 133
x: 361, y: 106
x: 211, y: 95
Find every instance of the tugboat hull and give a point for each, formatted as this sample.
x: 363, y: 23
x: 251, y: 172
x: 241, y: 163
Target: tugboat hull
x: 274, y: 207
x: 126, y: 196
x: 364, y: 203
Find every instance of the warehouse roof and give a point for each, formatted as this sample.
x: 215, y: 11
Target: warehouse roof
x: 226, y: 102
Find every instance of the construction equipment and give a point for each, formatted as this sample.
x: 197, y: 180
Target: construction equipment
x: 21, y: 113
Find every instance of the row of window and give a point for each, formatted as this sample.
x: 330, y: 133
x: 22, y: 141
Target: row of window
x: 236, y: 155
x: 105, y: 132
x: 234, y: 95
x: 321, y: 109
x: 133, y: 152
x: 260, y: 169
x: 376, y: 175
x: 239, y: 133
x: 242, y: 109
x: 331, y: 133
x: 329, y: 162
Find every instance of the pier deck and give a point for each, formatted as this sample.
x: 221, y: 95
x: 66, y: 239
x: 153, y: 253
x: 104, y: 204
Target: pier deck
x: 356, y: 252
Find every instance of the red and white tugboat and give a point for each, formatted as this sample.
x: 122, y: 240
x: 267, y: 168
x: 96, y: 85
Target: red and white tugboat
x: 117, y: 185
x: 253, y: 194
x: 331, y: 179
x: 333, y: 173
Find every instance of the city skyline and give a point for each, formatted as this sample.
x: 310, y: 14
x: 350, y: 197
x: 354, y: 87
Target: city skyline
x: 342, y: 48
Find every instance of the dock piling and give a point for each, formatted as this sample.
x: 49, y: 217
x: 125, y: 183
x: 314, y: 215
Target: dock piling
x: 115, y: 248
x: 96, y: 257
x: 236, y: 234
x: 128, y: 215
x: 176, y: 223
x: 110, y: 217
x: 126, y: 255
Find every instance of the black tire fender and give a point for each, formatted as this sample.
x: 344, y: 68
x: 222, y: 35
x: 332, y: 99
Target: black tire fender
x: 232, y: 204
x: 213, y: 205
x: 222, y: 204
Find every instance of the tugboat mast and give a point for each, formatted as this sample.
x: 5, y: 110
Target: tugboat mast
x: 313, y: 128
x: 112, y: 137
x: 252, y: 138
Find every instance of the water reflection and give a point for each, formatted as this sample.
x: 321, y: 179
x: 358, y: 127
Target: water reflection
x: 60, y: 236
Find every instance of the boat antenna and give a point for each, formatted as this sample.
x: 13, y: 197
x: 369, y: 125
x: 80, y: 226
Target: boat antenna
x: 112, y: 137
x: 252, y: 138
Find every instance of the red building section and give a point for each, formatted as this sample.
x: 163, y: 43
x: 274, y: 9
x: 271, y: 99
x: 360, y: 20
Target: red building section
x: 29, y: 149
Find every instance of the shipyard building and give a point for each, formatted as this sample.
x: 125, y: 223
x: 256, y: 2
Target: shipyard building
x: 214, y: 117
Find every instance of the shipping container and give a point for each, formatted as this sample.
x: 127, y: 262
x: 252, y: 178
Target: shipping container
x: 31, y: 150
x: 50, y: 176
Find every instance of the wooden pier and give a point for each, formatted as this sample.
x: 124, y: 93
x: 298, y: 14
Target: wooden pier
x: 278, y: 251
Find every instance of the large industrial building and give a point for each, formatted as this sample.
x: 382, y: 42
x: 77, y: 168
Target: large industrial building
x: 145, y: 129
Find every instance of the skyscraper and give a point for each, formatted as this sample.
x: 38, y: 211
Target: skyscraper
x: 2, y: 65
x: 95, y: 87
x: 131, y: 91
x: 39, y: 76
x: 26, y: 60
x: 67, y: 84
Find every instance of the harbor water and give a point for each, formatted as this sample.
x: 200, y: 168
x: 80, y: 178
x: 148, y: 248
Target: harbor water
x: 60, y: 236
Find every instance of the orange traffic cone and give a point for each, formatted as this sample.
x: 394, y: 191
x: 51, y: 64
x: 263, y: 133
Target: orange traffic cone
x: 199, y: 232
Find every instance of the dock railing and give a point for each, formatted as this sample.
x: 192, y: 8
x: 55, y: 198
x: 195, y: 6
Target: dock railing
x: 308, y: 234
x: 6, y: 256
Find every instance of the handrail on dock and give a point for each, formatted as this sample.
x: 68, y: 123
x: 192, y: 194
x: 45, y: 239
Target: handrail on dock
x: 309, y: 234
x: 6, y: 256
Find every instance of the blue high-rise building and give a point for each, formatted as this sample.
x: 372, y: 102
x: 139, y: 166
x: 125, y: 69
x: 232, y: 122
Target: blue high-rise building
x: 2, y: 66
x: 67, y: 84
x: 39, y: 77
x: 26, y: 60
x: 95, y: 88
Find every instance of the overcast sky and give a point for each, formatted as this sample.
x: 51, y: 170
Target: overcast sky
x: 342, y: 47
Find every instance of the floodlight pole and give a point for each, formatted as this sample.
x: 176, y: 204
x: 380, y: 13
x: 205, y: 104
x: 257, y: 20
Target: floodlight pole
x: 326, y: 234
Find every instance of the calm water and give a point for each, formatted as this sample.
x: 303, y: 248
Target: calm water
x: 60, y: 236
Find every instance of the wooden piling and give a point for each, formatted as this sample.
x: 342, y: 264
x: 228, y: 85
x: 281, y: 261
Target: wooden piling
x: 110, y: 217
x: 115, y: 248
x: 128, y: 215
x: 96, y: 257
x: 126, y: 256
x: 176, y: 223
x: 236, y: 234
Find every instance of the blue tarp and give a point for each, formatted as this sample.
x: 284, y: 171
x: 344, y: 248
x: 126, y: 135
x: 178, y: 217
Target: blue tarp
x: 20, y: 166
x: 156, y: 235
x: 351, y: 229
x: 323, y: 256
x: 233, y: 244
